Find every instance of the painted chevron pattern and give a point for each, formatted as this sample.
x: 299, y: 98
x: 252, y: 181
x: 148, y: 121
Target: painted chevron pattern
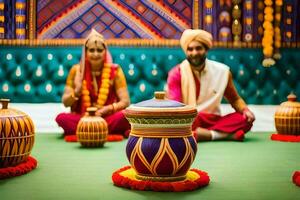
x: 148, y: 19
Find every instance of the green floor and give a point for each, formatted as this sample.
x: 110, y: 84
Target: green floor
x: 255, y: 169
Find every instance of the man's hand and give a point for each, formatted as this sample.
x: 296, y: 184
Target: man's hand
x: 248, y: 115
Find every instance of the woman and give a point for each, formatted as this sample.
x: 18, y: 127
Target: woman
x: 96, y: 82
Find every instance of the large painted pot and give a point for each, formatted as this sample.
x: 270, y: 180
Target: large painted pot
x: 16, y: 135
x: 92, y: 130
x: 161, y: 146
x: 287, y: 117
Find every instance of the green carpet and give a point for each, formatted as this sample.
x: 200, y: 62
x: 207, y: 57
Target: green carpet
x: 255, y: 169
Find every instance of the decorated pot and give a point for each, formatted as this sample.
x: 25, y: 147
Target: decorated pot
x: 161, y: 146
x: 287, y: 117
x: 16, y: 135
x: 92, y: 130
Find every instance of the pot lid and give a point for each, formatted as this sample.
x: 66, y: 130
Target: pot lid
x: 292, y: 101
x: 160, y: 106
x: 159, y: 101
x: 9, y: 112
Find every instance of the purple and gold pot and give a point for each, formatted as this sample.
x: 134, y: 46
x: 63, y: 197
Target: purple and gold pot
x: 161, y: 146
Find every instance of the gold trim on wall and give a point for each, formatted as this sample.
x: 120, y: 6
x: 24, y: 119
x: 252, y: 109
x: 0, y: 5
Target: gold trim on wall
x: 196, y: 14
x: 32, y: 19
x: 131, y: 43
x: 78, y: 42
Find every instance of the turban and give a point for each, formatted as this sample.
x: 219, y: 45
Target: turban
x: 199, y: 35
x: 94, y: 37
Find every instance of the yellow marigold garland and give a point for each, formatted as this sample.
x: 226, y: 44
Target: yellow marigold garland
x: 103, y: 90
x: 277, y: 36
x: 267, y: 40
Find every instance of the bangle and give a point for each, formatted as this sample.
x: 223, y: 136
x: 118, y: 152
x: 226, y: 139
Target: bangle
x: 114, y: 107
x: 74, y: 97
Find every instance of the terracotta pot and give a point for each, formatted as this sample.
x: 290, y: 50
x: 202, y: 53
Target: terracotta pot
x: 92, y: 130
x: 287, y: 117
x: 161, y: 146
x: 16, y: 135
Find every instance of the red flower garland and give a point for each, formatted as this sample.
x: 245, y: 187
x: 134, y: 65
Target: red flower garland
x: 176, y: 186
x: 296, y: 178
x: 285, y: 138
x: 18, y: 170
x: 110, y: 138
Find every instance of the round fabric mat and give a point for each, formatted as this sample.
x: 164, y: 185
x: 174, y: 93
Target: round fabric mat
x: 296, y: 178
x: 195, y: 179
x: 285, y: 138
x: 110, y: 138
x: 19, y: 169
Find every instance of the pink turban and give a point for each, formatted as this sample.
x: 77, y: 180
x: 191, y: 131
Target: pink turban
x: 195, y: 34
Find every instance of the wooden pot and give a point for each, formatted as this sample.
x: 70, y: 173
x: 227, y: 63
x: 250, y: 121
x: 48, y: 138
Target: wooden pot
x: 92, y: 130
x: 16, y: 135
x: 287, y: 117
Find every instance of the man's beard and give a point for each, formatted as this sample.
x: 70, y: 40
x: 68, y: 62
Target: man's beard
x: 196, y: 61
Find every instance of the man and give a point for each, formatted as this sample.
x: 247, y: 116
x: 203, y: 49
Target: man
x: 201, y: 82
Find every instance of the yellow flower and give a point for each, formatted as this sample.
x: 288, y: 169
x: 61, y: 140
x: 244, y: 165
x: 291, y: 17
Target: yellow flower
x: 278, y: 16
x: 86, y: 98
x: 268, y: 2
x: 268, y: 51
x: 268, y: 10
x: 105, y: 75
x: 278, y: 2
x: 268, y: 62
x: 267, y: 24
x: 269, y: 17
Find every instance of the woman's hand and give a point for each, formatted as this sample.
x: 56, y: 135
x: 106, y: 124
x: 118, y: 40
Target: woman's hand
x: 77, y: 89
x: 104, y: 111
x: 78, y: 83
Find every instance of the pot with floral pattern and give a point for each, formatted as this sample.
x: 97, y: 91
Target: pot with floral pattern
x: 161, y: 146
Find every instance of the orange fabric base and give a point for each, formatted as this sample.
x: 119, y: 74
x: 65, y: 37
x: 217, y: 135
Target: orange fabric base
x: 296, y: 178
x: 125, y: 177
x: 110, y: 138
x: 19, y: 169
x: 285, y: 138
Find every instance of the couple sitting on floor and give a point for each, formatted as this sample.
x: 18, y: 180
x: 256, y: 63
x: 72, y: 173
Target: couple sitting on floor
x: 196, y: 81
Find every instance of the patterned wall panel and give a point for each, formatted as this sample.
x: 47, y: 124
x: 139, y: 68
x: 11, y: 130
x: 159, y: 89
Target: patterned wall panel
x: 48, y: 10
x: 231, y: 22
x: 114, y: 19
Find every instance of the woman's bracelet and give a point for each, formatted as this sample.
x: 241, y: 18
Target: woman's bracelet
x: 73, y: 96
x: 114, y: 106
